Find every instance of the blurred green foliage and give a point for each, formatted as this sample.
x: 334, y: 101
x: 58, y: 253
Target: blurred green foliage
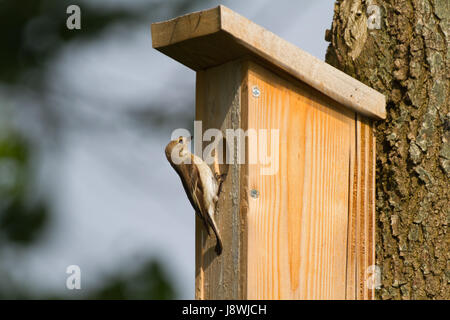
x: 20, y: 221
x: 149, y: 281
x: 34, y: 30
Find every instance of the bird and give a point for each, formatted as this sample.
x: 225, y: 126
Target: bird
x: 202, y: 187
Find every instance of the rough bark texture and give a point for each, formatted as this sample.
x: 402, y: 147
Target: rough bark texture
x: 407, y: 60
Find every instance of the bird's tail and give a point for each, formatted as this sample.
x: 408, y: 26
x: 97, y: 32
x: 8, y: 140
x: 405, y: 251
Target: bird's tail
x: 219, y: 246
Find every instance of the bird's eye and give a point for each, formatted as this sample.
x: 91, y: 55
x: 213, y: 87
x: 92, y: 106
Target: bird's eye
x: 180, y: 140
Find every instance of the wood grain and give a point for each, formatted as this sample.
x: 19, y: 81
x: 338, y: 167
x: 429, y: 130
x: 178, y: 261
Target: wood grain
x: 352, y: 219
x: 213, y: 37
x: 218, y: 105
x: 371, y: 201
x: 297, y: 227
x: 362, y: 253
x: 193, y: 25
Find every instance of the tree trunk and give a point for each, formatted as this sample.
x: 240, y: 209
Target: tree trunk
x: 407, y: 59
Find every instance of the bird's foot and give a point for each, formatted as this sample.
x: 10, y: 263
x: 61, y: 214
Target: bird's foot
x: 220, y: 177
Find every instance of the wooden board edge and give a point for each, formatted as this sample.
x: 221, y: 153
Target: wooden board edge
x: 244, y: 184
x: 372, y: 199
x: 304, y: 66
x: 351, y: 231
x: 185, y: 27
x: 365, y: 206
x: 199, y: 235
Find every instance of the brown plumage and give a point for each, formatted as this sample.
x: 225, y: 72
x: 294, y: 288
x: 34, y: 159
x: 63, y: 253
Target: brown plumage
x: 200, y: 184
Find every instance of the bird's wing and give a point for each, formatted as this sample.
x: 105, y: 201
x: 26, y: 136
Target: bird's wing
x: 190, y: 177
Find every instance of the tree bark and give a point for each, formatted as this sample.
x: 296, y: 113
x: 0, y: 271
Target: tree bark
x: 407, y: 59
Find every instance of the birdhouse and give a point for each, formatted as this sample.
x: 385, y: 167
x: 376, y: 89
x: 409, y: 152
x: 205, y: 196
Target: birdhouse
x: 297, y: 214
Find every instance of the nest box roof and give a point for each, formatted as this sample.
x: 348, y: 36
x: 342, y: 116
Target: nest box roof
x: 208, y: 38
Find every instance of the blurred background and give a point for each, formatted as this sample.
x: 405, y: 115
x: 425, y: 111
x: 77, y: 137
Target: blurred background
x: 84, y: 119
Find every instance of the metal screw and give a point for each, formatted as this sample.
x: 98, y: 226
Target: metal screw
x: 255, y: 91
x: 254, y: 193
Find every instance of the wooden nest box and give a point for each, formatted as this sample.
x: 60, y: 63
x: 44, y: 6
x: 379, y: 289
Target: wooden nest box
x: 305, y: 231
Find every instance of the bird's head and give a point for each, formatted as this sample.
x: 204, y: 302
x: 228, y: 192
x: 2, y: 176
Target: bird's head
x: 177, y: 150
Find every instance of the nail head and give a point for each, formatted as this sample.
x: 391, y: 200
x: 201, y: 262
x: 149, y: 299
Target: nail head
x: 254, y: 193
x: 256, y: 92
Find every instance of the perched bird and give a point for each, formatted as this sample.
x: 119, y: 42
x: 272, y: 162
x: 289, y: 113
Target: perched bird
x: 201, y: 185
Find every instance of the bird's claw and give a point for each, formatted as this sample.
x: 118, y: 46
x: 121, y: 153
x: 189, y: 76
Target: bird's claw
x: 220, y: 177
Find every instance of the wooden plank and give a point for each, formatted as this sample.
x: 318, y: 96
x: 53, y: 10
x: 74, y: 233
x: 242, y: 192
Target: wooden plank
x: 199, y: 270
x: 218, y: 105
x: 297, y: 227
x: 212, y: 37
x: 361, y: 205
x: 360, y: 238
x: 371, y: 202
x: 365, y: 205
x: 352, y: 219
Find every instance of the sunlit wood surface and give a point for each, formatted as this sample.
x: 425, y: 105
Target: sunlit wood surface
x: 297, y: 227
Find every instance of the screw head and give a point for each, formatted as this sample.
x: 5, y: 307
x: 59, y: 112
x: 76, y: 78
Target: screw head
x: 256, y: 92
x: 254, y: 193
